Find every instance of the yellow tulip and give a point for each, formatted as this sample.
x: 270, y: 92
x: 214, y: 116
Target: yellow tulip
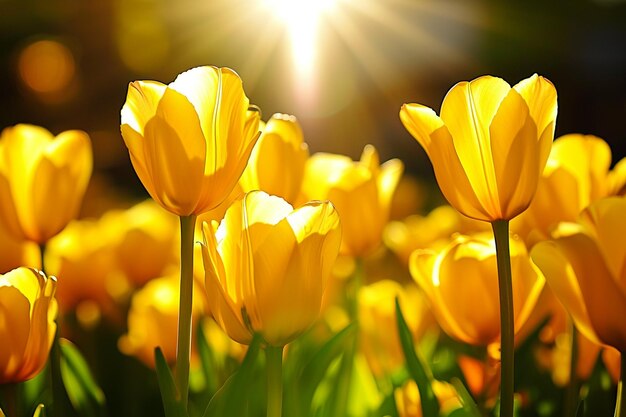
x: 421, y: 232
x: 27, y: 327
x: 361, y: 191
x: 144, y: 239
x: 189, y: 141
x: 267, y: 266
x: 42, y: 179
x: 84, y: 260
x: 577, y: 173
x: 376, y: 311
x: 153, y: 320
x: 408, y: 403
x: 461, y: 283
x: 276, y: 164
x: 586, y: 269
x: 490, y: 144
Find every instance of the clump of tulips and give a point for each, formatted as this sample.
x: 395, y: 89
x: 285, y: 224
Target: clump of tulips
x: 467, y: 310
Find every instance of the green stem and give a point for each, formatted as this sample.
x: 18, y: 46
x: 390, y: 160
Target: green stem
x: 274, y: 364
x: 183, y: 351
x: 620, y: 405
x: 505, y: 283
x: 571, y: 394
x: 42, y: 251
x: 11, y: 402
x: 344, y: 379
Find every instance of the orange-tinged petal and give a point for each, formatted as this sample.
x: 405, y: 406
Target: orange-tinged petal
x: 605, y: 221
x: 604, y: 298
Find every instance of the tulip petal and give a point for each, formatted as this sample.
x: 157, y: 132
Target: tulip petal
x: 223, y: 305
x: 175, y: 151
x: 540, y: 95
x: 61, y: 180
x: 14, y: 322
x: 514, y: 150
x: 423, y: 266
x: 468, y: 110
x: 42, y: 329
x: 387, y: 181
x: 604, y: 298
x: 141, y: 105
x: 606, y: 222
x: 554, y: 261
x: 588, y: 159
x: 430, y: 131
x: 421, y: 122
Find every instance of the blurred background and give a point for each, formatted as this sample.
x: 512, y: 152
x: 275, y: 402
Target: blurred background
x: 342, y: 67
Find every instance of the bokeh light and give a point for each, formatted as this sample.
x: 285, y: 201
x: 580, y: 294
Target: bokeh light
x: 46, y: 67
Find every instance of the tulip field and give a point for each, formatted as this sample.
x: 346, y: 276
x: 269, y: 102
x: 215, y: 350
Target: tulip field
x: 258, y: 278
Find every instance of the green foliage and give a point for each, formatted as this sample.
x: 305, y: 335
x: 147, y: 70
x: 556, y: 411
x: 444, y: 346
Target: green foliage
x: 170, y: 396
x: 83, y: 391
x: 416, y: 368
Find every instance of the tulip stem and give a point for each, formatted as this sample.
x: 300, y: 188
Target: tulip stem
x: 274, y: 366
x: 571, y: 394
x: 183, y: 350
x: 42, y: 251
x: 11, y: 402
x: 620, y: 405
x: 505, y: 283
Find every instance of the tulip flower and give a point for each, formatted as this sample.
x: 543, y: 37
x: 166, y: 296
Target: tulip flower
x: 490, y: 144
x: 577, y: 173
x: 585, y: 268
x: 267, y: 266
x: 422, y: 232
x: 42, y: 179
x: 83, y: 258
x: 376, y: 311
x: 189, y: 141
x: 584, y: 265
x: 153, y: 320
x: 143, y: 238
x: 276, y: 164
x: 408, y: 403
x: 488, y: 149
x: 361, y: 191
x: 27, y: 327
x: 461, y: 283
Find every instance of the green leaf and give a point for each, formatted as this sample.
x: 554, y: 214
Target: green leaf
x: 580, y: 410
x: 172, y: 404
x: 207, y: 360
x: 315, y: 370
x: 84, y: 394
x: 417, y: 370
x: 230, y: 399
x: 469, y: 405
